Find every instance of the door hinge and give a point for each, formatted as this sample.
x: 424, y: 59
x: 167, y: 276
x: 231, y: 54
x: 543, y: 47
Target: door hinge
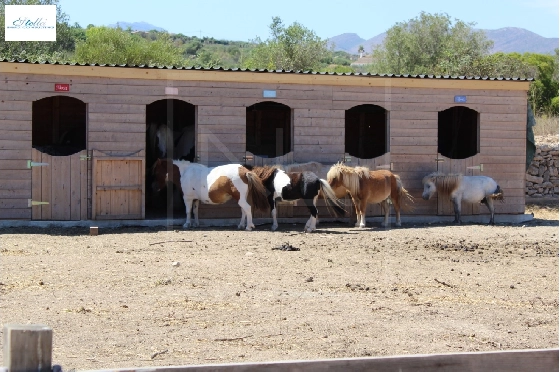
x: 35, y: 164
x: 479, y: 167
x: 248, y: 158
x: 440, y: 160
x: 85, y: 157
x: 31, y: 203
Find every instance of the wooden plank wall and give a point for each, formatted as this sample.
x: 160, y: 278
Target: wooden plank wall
x: 117, y: 109
x: 413, y: 135
x: 15, y: 150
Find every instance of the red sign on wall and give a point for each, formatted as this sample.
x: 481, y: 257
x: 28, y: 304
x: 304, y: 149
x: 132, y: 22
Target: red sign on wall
x: 62, y: 87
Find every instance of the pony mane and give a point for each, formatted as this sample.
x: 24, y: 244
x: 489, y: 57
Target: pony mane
x: 265, y: 172
x: 445, y: 183
x: 350, y: 176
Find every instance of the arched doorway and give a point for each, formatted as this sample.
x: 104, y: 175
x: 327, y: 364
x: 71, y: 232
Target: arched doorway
x: 458, y: 149
x: 366, y: 132
x: 458, y: 132
x: 268, y: 133
x: 59, y: 159
x: 366, y: 142
x: 176, y: 121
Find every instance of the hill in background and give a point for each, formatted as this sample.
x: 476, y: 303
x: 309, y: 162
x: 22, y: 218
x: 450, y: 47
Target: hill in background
x: 136, y: 26
x: 507, y: 40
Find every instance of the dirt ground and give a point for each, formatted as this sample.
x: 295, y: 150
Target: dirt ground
x: 139, y: 297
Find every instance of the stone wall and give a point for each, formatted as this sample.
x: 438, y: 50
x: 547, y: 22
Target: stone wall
x: 541, y: 179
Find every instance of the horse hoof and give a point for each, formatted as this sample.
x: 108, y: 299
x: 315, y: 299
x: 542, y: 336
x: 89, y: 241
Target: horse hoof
x: 185, y: 226
x: 274, y: 227
x: 398, y: 224
x: 362, y: 226
x: 309, y: 230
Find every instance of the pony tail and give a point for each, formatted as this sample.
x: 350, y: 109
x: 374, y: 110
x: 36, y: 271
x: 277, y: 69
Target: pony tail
x: 333, y: 203
x: 498, y: 194
x: 405, y: 199
x: 257, y: 197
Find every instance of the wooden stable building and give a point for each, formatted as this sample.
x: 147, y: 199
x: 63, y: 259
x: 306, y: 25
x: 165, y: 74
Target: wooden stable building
x: 73, y: 138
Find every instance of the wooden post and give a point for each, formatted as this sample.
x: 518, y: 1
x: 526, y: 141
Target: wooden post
x: 93, y: 230
x: 27, y: 348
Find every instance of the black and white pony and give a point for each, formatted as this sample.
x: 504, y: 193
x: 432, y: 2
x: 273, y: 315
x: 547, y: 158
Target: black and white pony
x: 297, y: 185
x: 457, y: 188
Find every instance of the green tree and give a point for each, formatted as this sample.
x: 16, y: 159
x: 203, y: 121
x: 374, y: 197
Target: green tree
x: 430, y: 44
x: 193, y: 47
x: 106, y: 45
x: 545, y: 87
x: 39, y: 50
x: 290, y: 48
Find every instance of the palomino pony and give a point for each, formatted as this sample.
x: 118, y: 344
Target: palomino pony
x: 369, y: 187
x: 472, y: 189
x: 294, y: 186
x: 217, y: 185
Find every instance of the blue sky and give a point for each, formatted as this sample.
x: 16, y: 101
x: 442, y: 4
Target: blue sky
x: 245, y: 19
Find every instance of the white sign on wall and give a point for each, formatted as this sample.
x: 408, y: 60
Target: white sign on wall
x: 30, y: 22
x: 269, y: 93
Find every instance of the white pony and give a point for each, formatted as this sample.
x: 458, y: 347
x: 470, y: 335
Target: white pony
x: 472, y: 189
x: 200, y: 184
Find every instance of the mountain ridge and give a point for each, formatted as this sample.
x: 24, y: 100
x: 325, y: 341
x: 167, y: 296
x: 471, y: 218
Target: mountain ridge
x: 506, y: 40
x: 136, y: 26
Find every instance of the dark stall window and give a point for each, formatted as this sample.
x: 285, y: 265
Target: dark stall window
x: 458, y: 132
x: 59, y: 125
x: 366, y: 131
x: 269, y: 129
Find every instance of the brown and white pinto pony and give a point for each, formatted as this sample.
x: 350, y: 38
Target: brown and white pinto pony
x: 200, y: 184
x: 370, y: 187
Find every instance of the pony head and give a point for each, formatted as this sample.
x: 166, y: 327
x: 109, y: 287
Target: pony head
x: 160, y: 173
x: 335, y: 176
x: 342, y: 176
x: 429, y: 183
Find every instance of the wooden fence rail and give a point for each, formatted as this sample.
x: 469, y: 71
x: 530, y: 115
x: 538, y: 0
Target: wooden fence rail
x: 29, y: 348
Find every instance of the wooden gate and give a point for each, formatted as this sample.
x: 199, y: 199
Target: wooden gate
x: 59, y: 186
x: 118, y: 186
x: 469, y: 167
